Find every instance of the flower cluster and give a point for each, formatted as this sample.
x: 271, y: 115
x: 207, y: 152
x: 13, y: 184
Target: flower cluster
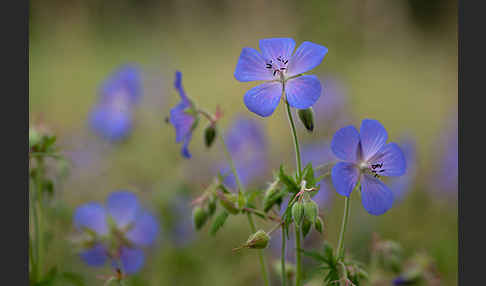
x: 115, y: 232
x: 112, y: 116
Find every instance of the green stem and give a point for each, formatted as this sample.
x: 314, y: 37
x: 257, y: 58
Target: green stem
x: 298, y: 277
x: 37, y: 213
x: 339, y: 250
x: 282, y: 258
x: 250, y: 218
x: 296, y: 140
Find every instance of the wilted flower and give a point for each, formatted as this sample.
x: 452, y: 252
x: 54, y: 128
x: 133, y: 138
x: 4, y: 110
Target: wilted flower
x: 112, y: 116
x: 183, y: 117
x: 116, y: 231
x: 247, y: 146
x: 282, y: 72
x: 366, y: 157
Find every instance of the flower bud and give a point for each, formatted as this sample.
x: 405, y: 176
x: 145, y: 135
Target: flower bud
x: 271, y: 197
x: 212, y: 205
x: 306, y: 226
x: 298, y: 212
x: 307, y: 118
x: 258, y: 240
x: 199, y: 217
x: 228, y: 201
x: 210, y: 135
x: 311, y: 210
x: 319, y: 224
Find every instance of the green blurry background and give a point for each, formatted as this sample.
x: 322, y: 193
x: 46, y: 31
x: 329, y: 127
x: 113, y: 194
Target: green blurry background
x: 396, y: 59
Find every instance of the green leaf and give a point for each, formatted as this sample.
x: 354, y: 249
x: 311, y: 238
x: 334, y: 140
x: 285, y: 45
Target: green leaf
x: 218, y: 222
x: 315, y: 255
x: 288, y: 181
x: 308, y: 176
x: 49, y: 278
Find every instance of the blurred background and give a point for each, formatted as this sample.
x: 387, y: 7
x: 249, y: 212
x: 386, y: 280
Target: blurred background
x: 394, y: 61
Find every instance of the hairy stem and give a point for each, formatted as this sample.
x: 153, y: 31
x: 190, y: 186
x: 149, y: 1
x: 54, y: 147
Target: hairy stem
x: 250, y: 218
x: 339, y: 250
x: 282, y: 258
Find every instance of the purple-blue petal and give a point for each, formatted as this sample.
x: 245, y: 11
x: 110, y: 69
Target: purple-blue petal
x: 178, y: 86
x: 132, y: 259
x: 344, y: 177
x: 126, y: 81
x: 91, y: 216
x: 302, y: 92
x: 307, y: 57
x: 392, y: 158
x: 263, y: 99
x: 122, y: 207
x: 373, y: 136
x: 345, y: 144
x: 145, y: 229
x: 95, y: 256
x: 185, y: 146
x: 251, y: 66
x: 277, y: 47
x: 110, y: 122
x: 376, y: 197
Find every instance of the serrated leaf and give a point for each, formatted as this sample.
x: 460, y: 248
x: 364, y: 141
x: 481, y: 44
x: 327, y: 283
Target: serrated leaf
x: 218, y: 222
x: 288, y: 181
x: 315, y: 255
x: 308, y: 176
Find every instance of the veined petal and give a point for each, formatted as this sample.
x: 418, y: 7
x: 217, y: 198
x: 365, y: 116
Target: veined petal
x: 373, y: 136
x: 95, y: 256
x: 91, y: 216
x: 307, y: 57
x: 144, y: 230
x: 344, y: 177
x: 122, y: 207
x: 251, y: 66
x: 277, y: 47
x: 302, y: 92
x: 392, y: 158
x: 263, y: 99
x: 345, y: 143
x: 376, y: 197
x: 132, y: 259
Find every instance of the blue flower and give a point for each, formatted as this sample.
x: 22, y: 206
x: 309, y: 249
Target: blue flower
x: 116, y: 231
x: 282, y: 72
x: 401, y: 185
x: 247, y: 146
x: 183, y: 117
x: 112, y: 116
x: 182, y: 228
x: 366, y: 157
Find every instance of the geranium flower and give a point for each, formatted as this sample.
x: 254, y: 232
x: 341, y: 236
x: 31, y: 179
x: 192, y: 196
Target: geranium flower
x: 366, y: 157
x: 282, y: 72
x: 112, y: 116
x: 183, y: 117
x: 116, y: 231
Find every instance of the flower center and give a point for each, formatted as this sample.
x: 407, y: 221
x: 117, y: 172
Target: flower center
x: 278, y: 66
x: 372, y: 169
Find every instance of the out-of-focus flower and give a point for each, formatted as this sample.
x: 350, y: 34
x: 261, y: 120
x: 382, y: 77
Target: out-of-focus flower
x: 331, y: 109
x: 182, y: 229
x: 112, y: 116
x: 446, y: 178
x: 248, y: 147
x: 183, y: 117
x: 401, y: 185
x: 282, y: 72
x: 366, y: 157
x: 116, y: 231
